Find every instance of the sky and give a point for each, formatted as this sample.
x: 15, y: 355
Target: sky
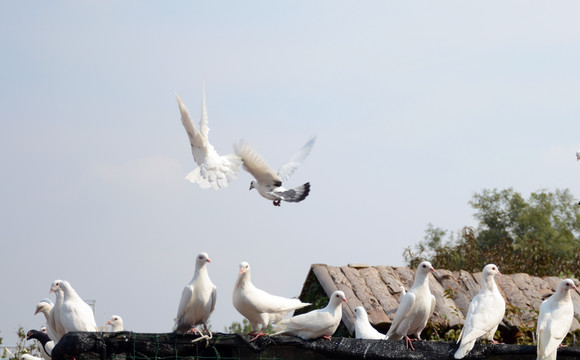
x: 416, y: 107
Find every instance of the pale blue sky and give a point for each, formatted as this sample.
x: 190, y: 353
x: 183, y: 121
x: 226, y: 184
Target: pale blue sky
x: 417, y: 105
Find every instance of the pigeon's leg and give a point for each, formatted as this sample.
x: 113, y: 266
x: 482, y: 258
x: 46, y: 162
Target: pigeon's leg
x: 193, y: 330
x: 409, y: 342
x: 327, y: 337
x: 257, y: 335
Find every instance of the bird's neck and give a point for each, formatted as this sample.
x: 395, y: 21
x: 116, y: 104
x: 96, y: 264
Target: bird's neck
x: 490, y: 283
x: 422, y: 279
x: 200, y: 272
x: 562, y: 296
x: 244, y: 280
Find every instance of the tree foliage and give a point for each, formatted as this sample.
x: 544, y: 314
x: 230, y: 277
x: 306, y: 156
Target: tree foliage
x: 539, y: 236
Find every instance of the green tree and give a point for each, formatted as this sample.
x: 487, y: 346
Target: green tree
x: 244, y: 328
x: 539, y: 236
x: 22, y: 347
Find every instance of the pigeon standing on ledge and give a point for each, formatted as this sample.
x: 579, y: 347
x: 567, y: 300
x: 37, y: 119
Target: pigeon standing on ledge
x: 259, y: 307
x: 75, y: 314
x: 415, y: 308
x: 197, y: 299
x: 485, y: 312
x: 317, y: 323
x: 362, y: 327
x: 555, y: 319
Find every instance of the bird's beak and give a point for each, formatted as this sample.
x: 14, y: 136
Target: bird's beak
x: 499, y: 273
x: 50, y: 292
x: 432, y: 269
x: 250, y: 187
x: 208, y: 260
x: 345, y: 300
x: 37, y: 310
x: 108, y: 322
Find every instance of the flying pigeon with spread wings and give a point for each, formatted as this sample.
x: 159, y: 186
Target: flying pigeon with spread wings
x: 213, y: 170
x: 268, y: 182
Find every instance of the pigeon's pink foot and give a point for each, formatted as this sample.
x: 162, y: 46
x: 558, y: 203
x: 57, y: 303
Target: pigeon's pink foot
x: 327, y: 337
x: 495, y: 342
x: 409, y: 342
x: 193, y: 330
x: 257, y: 335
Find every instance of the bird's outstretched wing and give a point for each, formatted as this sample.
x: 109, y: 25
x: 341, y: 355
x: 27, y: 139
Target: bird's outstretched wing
x: 290, y: 167
x: 197, y: 140
x: 255, y: 165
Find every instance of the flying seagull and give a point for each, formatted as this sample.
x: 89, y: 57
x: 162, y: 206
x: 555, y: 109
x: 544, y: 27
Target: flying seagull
x: 485, y: 312
x: 213, y: 170
x: 197, y: 299
x: 268, y: 182
x: 554, y: 321
x: 415, y: 308
x: 259, y: 307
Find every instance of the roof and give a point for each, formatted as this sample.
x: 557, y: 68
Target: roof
x: 378, y: 289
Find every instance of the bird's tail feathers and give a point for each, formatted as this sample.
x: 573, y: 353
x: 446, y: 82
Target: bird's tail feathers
x: 464, y: 349
x: 297, y: 194
x: 216, y: 177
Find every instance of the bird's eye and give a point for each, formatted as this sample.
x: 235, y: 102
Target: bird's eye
x: 424, y: 266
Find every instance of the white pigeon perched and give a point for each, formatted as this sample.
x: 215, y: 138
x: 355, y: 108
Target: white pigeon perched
x: 55, y: 329
x: 213, y: 170
x: 485, y: 312
x: 555, y: 319
x: 116, y: 323
x: 44, y: 306
x: 363, y: 328
x: 268, y: 182
x: 316, y: 323
x: 75, y: 314
x: 46, y: 345
x: 197, y: 299
x: 29, y: 357
x: 259, y: 307
x: 415, y: 308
